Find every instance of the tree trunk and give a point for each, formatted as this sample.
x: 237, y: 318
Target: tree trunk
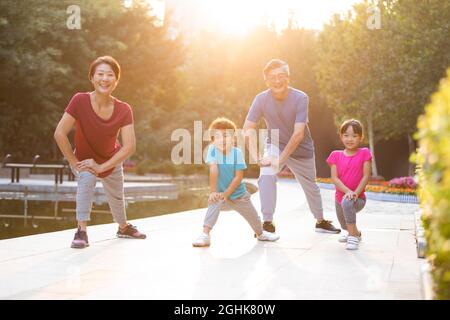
x: 372, y: 145
x: 412, y: 149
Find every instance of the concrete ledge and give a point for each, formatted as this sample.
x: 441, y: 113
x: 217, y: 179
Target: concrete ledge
x: 426, y: 280
x: 420, y: 235
x: 425, y: 267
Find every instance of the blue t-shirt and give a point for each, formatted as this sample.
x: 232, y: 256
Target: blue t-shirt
x: 227, y: 165
x: 283, y: 115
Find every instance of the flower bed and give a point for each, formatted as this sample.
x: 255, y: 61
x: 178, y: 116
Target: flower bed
x: 384, y: 189
x: 399, y: 186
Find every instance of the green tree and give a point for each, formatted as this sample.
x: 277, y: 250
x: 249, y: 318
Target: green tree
x: 224, y: 73
x: 43, y: 63
x: 351, y: 60
x: 385, y: 76
x: 419, y: 54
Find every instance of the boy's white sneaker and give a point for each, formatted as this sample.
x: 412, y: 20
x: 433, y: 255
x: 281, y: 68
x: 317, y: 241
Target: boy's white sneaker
x: 202, y: 241
x: 343, y: 238
x: 352, y: 243
x: 268, y: 236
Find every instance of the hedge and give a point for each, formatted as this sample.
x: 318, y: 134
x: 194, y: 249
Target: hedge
x: 433, y: 159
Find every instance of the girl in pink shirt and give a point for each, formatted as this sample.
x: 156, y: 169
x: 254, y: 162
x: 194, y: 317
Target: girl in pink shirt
x: 350, y: 172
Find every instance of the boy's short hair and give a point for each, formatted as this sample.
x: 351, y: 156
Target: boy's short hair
x: 275, y: 64
x: 355, y: 124
x: 109, y: 61
x: 221, y: 123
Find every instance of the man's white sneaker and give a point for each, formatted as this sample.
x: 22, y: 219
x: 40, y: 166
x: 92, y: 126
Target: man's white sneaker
x: 268, y: 236
x: 352, y: 243
x: 202, y: 241
x: 343, y: 238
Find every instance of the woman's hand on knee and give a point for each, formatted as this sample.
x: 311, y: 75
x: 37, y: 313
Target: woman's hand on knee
x: 89, y: 165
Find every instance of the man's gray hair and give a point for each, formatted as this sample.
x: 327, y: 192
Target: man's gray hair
x: 275, y: 64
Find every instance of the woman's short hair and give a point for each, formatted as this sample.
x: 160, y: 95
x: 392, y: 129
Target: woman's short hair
x: 275, y: 64
x: 109, y: 61
x: 355, y: 124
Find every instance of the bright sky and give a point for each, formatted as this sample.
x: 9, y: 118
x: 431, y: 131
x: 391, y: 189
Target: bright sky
x: 238, y: 16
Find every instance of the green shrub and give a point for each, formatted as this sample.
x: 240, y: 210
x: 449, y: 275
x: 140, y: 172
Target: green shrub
x: 433, y: 159
x: 148, y: 166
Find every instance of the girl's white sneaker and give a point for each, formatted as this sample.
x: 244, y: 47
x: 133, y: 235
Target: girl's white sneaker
x: 343, y: 237
x: 352, y: 243
x: 268, y: 236
x: 202, y: 241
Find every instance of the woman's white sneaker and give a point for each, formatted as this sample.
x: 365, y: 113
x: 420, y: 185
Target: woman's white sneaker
x: 268, y: 236
x: 352, y: 243
x: 202, y: 241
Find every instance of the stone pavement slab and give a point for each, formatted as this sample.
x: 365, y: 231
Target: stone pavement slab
x: 303, y: 264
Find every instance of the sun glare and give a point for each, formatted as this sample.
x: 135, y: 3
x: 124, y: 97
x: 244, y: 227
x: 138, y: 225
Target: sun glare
x: 239, y: 16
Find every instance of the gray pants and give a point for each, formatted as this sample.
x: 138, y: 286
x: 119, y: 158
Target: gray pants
x: 347, y: 209
x: 242, y: 205
x: 304, y: 171
x: 113, y: 186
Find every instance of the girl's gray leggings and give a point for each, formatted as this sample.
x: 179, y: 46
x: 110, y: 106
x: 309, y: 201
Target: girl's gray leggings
x: 347, y: 209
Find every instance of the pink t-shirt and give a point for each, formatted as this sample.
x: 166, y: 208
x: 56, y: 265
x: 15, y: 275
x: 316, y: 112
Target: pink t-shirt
x: 349, y: 169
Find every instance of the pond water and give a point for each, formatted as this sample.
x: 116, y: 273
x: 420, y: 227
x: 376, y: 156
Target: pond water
x: 192, y: 195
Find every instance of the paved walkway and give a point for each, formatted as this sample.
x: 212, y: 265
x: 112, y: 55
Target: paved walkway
x: 301, y: 265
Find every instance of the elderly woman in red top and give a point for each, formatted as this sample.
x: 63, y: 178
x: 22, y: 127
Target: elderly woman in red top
x: 99, y: 118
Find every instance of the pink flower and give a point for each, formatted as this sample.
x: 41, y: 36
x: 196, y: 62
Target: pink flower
x: 403, y: 182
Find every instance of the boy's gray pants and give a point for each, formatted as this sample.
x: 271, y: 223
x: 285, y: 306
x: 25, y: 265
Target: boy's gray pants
x: 113, y: 186
x: 242, y: 205
x: 304, y: 171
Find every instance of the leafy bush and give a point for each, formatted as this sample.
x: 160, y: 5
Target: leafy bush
x: 433, y: 159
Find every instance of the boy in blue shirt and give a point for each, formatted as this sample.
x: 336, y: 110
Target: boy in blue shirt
x: 226, y: 171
